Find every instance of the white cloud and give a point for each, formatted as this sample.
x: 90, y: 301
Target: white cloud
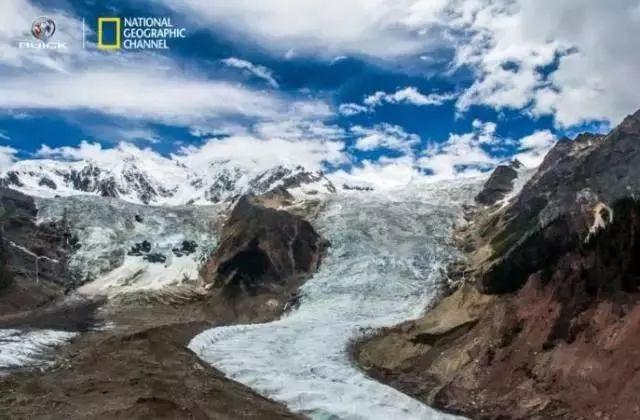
x: 471, y: 153
x: 249, y: 152
x: 513, y: 39
x: 96, y: 152
x: 385, y: 173
x: 409, y: 95
x: 161, y: 90
x: 7, y: 157
x: 261, y: 72
x: 505, y: 43
x: 534, y: 147
x: 349, y: 109
x: 298, y: 130
x: 338, y: 59
x: 254, y: 152
x: 16, y: 18
x: 461, y: 154
x: 378, y: 28
x: 150, y: 93
x: 485, y: 132
x: 384, y: 136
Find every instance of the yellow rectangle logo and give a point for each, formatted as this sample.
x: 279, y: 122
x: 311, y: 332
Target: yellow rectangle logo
x: 114, y: 43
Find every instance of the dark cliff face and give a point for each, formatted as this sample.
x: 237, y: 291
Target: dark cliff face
x: 263, y: 250
x: 33, y: 257
x: 557, y: 208
x: 499, y: 184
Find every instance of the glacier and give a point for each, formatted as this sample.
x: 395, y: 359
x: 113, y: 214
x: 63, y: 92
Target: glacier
x: 388, y: 258
x: 107, y: 229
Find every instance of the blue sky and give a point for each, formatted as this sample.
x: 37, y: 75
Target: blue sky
x: 400, y: 89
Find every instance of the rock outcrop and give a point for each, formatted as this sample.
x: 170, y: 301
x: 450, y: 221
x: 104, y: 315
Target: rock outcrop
x: 263, y: 250
x: 33, y: 257
x: 550, y: 326
x: 499, y: 184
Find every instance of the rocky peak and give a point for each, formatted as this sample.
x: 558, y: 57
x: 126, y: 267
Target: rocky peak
x: 630, y: 125
x: 499, y: 184
x: 263, y: 250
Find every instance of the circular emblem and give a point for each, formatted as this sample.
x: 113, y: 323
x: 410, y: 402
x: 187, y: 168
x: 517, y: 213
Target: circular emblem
x: 43, y: 28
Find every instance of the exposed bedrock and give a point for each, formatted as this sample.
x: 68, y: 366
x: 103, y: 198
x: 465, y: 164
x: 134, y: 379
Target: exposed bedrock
x: 33, y: 257
x: 263, y: 250
x: 549, y: 327
x: 499, y: 184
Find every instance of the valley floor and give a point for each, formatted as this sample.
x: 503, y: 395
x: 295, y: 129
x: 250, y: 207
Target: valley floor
x: 139, y: 368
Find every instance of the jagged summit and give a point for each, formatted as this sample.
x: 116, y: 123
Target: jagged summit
x: 500, y: 184
x: 631, y: 124
x: 145, y: 180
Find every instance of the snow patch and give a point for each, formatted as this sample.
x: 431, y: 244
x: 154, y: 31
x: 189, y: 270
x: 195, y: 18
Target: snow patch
x: 20, y: 348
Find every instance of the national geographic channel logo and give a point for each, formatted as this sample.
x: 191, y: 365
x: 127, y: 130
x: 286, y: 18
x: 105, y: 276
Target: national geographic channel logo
x: 137, y: 33
x: 42, y: 29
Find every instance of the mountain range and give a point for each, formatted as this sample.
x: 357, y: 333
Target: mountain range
x: 157, y: 181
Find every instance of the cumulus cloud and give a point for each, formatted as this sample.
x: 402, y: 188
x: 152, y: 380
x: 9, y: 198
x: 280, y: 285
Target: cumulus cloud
x: 409, y: 95
x: 384, y: 173
x: 514, y: 41
x: 253, y: 152
x: 534, y: 147
x: 462, y: 154
x: 244, y: 151
x: 17, y: 17
x: 96, y: 152
x: 7, y: 157
x: 349, y: 109
x: 511, y: 46
x: 161, y: 90
x: 261, y: 72
x: 378, y: 28
x: 384, y: 136
x: 298, y: 129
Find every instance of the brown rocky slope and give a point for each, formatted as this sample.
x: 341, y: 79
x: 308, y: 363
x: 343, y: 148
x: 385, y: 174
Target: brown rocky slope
x: 549, y: 327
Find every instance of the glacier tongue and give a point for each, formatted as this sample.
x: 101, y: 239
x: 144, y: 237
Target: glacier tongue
x: 388, y: 256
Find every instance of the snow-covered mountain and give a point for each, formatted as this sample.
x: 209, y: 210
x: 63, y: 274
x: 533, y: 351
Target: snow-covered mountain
x: 164, y: 181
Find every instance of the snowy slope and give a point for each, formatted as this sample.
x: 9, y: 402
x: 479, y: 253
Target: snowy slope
x: 156, y: 180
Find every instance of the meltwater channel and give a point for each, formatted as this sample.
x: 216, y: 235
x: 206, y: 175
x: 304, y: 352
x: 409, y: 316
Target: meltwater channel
x: 388, y: 255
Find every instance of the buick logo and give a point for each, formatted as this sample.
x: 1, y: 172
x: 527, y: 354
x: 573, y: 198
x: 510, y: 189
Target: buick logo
x: 43, y: 28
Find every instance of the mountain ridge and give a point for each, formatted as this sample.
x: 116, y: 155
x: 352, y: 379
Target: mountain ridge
x: 158, y: 182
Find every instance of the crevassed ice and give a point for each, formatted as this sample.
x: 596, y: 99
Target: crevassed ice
x: 25, y: 347
x: 107, y: 229
x: 388, y: 253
